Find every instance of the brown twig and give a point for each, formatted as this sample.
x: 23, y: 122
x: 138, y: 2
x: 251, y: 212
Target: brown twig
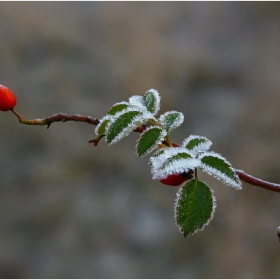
x: 61, y: 117
x: 257, y: 182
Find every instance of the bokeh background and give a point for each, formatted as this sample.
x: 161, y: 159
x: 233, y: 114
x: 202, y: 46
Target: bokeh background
x: 71, y: 210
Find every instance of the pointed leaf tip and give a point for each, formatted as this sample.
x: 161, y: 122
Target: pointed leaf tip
x: 171, y: 120
x: 123, y: 123
x: 217, y: 166
x: 149, y: 140
x: 152, y: 101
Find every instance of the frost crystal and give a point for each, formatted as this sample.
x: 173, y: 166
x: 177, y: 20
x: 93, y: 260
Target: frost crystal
x: 127, y: 127
x: 220, y: 168
x: 162, y: 167
x: 178, y: 196
x: 171, y: 120
x: 160, y: 157
x: 176, y: 167
x: 102, y: 125
x: 197, y: 144
x: 138, y: 101
x: 153, y: 142
x: 152, y: 101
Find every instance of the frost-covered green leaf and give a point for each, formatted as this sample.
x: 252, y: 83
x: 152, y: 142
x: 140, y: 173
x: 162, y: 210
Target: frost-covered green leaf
x: 172, y: 161
x: 138, y: 101
x: 171, y: 120
x: 118, y: 107
x: 149, y: 140
x: 194, y: 207
x: 197, y: 144
x: 217, y: 166
x: 152, y: 101
x: 123, y: 123
x: 101, y: 127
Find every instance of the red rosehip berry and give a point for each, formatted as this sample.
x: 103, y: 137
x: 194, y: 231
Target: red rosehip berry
x: 7, y: 99
x: 174, y: 180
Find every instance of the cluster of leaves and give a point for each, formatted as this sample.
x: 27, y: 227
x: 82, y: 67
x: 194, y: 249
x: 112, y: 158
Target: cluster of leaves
x: 195, y: 203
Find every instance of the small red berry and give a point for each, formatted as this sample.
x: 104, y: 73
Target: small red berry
x: 174, y: 180
x: 7, y: 99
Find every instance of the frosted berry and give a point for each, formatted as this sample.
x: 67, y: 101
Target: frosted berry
x: 7, y: 99
x: 173, y: 180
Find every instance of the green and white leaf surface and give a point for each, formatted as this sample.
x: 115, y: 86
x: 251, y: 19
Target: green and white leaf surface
x: 171, y: 120
x: 217, y: 166
x: 194, y: 207
x: 149, y: 140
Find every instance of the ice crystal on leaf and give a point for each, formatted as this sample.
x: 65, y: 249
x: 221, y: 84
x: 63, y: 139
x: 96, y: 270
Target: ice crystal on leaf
x: 152, y: 101
x: 160, y: 157
x: 138, y: 101
x: 149, y: 140
x: 216, y: 165
x: 118, y: 107
x: 177, y: 166
x: 172, y: 161
x: 171, y: 120
x: 101, y: 127
x: 195, y: 206
x: 123, y: 123
x: 197, y: 144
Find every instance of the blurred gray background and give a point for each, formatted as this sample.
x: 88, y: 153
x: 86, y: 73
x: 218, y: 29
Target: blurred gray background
x: 71, y: 210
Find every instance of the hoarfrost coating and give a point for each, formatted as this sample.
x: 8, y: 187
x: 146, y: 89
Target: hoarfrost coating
x: 178, y: 196
x: 233, y: 182
x: 137, y: 120
x: 175, y: 167
x: 156, y: 143
x: 202, y: 144
x: 160, y: 157
x: 156, y: 96
x: 170, y: 124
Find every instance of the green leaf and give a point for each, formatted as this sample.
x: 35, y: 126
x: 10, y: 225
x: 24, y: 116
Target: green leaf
x: 149, y: 140
x: 171, y: 120
x: 152, y: 101
x: 123, y: 123
x: 118, y: 107
x: 194, y: 207
x: 217, y: 166
x: 197, y: 144
x: 172, y: 161
x: 101, y: 127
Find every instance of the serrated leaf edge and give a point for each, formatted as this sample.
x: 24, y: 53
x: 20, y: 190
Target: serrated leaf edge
x: 157, y: 98
x: 119, y: 103
x: 217, y: 173
x: 106, y: 117
x: 201, y: 147
x: 138, y: 101
x: 176, y: 167
x: 160, y: 156
x: 136, y: 121
x: 178, y: 121
x: 160, y: 139
x: 214, y: 206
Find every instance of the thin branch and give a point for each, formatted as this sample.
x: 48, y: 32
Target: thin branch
x: 257, y: 182
x: 61, y: 117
